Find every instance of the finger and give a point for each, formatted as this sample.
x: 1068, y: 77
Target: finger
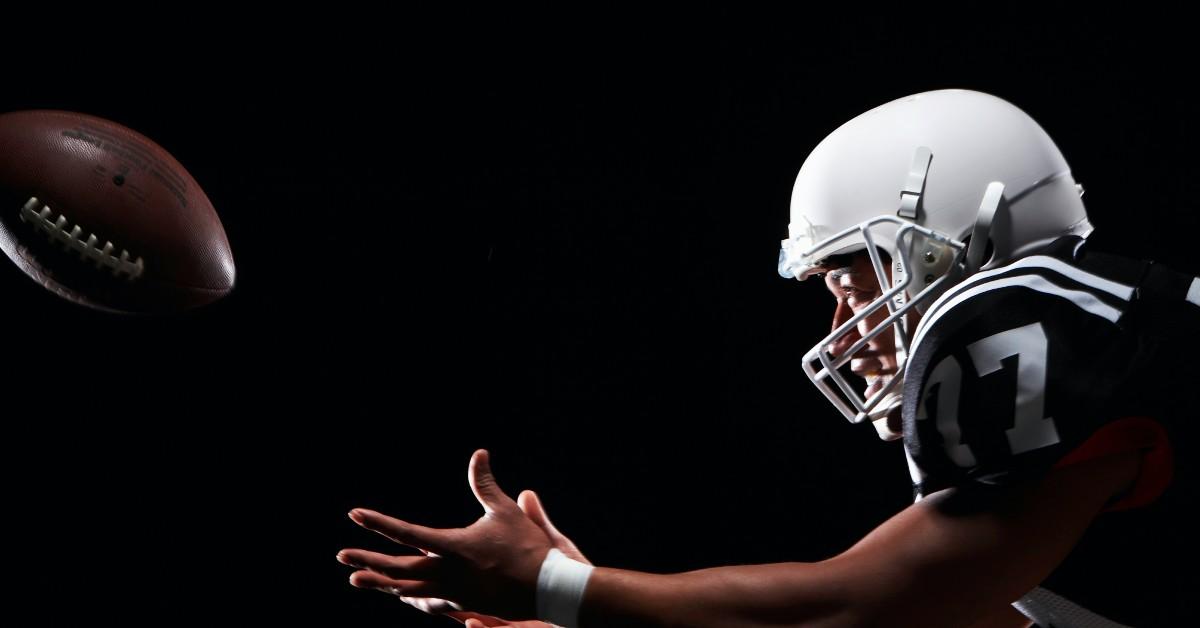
x: 531, y: 505
x: 432, y: 605
x: 483, y: 621
x: 480, y: 620
x: 399, y: 567
x: 410, y: 534
x: 407, y: 588
x: 483, y: 484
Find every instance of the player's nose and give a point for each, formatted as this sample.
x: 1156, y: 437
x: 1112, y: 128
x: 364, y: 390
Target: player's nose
x: 840, y: 344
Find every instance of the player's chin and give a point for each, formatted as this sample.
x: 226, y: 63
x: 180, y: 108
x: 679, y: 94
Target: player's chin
x: 891, y: 426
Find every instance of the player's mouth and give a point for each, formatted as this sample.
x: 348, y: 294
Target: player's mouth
x: 873, y: 371
x: 865, y: 366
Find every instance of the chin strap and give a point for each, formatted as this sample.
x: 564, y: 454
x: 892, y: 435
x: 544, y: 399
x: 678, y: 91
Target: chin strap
x: 879, y: 416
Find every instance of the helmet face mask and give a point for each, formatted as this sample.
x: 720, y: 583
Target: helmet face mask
x: 903, y: 290
x: 934, y: 181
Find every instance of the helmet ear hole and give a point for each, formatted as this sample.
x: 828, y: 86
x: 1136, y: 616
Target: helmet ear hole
x: 989, y: 253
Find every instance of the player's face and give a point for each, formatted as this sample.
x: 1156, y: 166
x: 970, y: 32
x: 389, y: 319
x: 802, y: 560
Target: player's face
x: 855, y: 287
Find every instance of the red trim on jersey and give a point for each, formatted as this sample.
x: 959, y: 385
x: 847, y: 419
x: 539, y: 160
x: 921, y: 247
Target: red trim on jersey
x: 1130, y: 434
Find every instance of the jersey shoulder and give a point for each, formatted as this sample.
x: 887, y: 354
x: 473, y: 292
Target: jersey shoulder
x: 1016, y: 366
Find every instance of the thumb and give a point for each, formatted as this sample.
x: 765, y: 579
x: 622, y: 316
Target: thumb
x: 531, y: 505
x: 483, y: 483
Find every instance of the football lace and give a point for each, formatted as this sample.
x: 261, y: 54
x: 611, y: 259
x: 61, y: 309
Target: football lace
x: 42, y: 218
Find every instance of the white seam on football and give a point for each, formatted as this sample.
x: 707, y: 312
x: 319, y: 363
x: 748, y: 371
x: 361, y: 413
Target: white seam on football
x: 41, y: 217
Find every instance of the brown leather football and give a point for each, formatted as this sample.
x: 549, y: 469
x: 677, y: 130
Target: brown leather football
x: 104, y: 217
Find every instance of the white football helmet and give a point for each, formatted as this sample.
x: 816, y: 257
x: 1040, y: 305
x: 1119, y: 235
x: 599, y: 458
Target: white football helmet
x: 935, y: 180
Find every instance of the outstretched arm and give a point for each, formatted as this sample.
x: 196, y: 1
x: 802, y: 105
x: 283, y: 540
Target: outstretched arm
x: 941, y: 562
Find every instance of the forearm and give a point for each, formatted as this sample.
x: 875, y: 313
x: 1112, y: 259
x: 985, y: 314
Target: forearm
x: 778, y: 594
x: 923, y: 567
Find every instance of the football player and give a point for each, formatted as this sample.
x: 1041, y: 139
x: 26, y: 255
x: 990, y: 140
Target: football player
x: 1021, y: 371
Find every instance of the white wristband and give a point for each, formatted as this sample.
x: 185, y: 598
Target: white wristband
x: 560, y: 589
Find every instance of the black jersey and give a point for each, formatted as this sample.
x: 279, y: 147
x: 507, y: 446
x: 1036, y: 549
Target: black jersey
x: 1058, y: 357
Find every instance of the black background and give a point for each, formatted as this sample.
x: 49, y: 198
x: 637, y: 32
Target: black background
x: 550, y: 235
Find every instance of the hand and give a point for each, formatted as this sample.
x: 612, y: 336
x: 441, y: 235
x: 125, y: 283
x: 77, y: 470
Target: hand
x: 531, y: 505
x: 490, y: 566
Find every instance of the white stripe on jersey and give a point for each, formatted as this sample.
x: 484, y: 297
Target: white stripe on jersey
x: 1193, y: 295
x: 1085, y: 300
x: 1118, y: 290
x: 917, y: 473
